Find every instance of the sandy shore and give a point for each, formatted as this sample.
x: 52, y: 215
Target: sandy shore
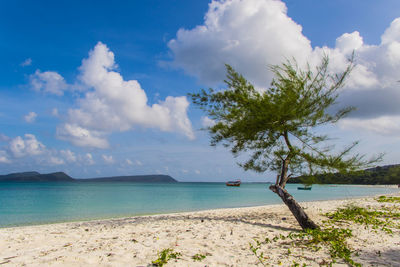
x: 223, y: 236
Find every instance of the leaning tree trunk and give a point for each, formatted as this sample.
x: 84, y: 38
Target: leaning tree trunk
x: 298, y: 212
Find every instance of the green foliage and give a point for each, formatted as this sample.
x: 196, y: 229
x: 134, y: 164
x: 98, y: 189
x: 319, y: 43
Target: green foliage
x: 315, y: 239
x: 260, y: 255
x: 375, y: 219
x: 164, y: 256
x: 334, y: 238
x: 331, y: 236
x: 380, y: 175
x: 277, y: 125
x: 388, y: 199
x: 198, y: 257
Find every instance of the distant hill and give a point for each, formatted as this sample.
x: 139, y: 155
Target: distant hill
x: 62, y: 177
x: 36, y: 177
x: 388, y: 174
x: 134, y: 178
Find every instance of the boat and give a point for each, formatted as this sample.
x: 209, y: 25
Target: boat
x: 233, y: 183
x: 306, y: 187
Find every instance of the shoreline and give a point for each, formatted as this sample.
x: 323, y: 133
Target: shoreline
x: 201, y: 210
x: 222, y: 235
x: 123, y: 217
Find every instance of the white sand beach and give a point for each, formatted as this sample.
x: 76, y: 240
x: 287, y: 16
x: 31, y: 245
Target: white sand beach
x: 223, y: 236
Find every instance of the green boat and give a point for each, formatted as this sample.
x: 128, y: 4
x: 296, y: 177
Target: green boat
x: 306, y: 187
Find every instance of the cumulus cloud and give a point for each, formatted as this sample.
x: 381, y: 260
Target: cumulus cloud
x: 55, y: 161
x: 112, y: 104
x: 80, y: 136
x: 27, y: 146
x: 68, y: 155
x: 248, y: 35
x: 20, y: 150
x: 207, y: 122
x: 108, y: 159
x: 385, y: 125
x: 30, y: 117
x: 4, y: 157
x: 253, y: 34
x: 88, y: 159
x: 48, y: 82
x: 27, y: 62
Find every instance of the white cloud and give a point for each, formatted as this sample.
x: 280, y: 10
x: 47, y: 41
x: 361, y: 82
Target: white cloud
x: 56, y: 161
x: 4, y: 157
x: 349, y: 42
x: 385, y: 125
x: 89, y: 159
x: 248, y: 35
x: 118, y: 104
x: 108, y: 159
x: 129, y: 162
x: 28, y: 146
x: 207, y: 122
x: 30, y: 117
x: 48, y: 82
x: 197, y: 171
x: 139, y: 163
x: 80, y: 136
x: 68, y: 155
x: 21, y: 150
x: 253, y: 34
x: 27, y: 62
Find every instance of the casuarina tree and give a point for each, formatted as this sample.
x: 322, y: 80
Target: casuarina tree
x: 278, y: 128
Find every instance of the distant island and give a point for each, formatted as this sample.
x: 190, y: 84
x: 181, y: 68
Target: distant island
x: 388, y: 174
x: 63, y: 177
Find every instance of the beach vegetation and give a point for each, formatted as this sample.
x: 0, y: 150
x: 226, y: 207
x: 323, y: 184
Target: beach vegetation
x: 370, y: 218
x: 256, y: 249
x: 332, y: 238
x: 277, y: 127
x: 388, y: 174
x: 388, y: 199
x: 164, y: 256
x: 198, y: 257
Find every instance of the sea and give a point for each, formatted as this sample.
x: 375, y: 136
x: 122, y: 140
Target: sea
x: 44, y: 202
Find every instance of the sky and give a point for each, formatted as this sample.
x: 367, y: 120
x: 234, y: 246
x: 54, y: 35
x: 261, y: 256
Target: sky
x: 99, y: 88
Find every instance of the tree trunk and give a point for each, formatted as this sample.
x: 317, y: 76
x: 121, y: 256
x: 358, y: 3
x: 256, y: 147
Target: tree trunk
x: 298, y: 212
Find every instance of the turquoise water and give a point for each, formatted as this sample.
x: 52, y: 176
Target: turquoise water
x: 38, y: 203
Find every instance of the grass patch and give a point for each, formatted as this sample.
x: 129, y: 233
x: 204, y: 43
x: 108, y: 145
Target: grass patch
x: 198, y: 257
x: 388, y: 199
x: 256, y: 251
x: 333, y: 238
x: 375, y: 219
x: 164, y: 256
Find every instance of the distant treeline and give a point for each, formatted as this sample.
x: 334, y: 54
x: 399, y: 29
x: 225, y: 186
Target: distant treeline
x: 63, y: 177
x: 389, y: 174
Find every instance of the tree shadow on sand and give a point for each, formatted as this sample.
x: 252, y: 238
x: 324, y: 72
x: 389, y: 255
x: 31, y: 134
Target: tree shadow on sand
x: 390, y: 257
x: 261, y: 220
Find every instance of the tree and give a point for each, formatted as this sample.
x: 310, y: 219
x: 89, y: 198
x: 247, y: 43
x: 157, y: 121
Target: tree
x: 277, y: 126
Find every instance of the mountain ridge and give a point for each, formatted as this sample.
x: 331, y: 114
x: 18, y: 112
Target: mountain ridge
x: 63, y: 177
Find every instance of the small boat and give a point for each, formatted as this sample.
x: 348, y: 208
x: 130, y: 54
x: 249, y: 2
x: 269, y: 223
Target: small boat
x: 233, y: 183
x: 306, y: 187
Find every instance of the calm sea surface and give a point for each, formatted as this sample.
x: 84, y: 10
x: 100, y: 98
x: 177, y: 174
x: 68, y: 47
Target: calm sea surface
x: 37, y: 203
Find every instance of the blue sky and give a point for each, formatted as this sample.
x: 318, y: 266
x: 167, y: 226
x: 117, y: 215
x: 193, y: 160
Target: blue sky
x: 95, y: 88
